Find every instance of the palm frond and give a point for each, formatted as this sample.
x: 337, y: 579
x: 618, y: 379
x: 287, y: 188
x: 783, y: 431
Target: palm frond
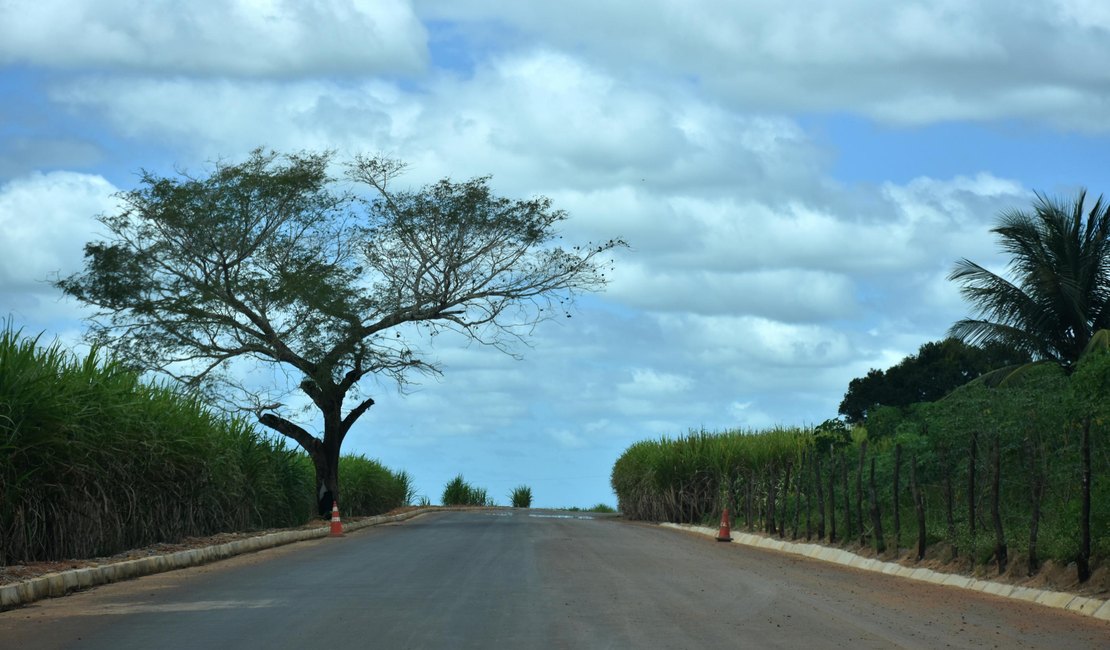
x: 1056, y: 291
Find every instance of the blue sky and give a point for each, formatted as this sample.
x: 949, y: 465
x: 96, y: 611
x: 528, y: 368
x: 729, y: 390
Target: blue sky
x: 1047, y: 158
x: 795, y: 180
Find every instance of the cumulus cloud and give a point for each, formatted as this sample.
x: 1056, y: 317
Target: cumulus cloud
x: 785, y: 294
x: 567, y: 439
x: 909, y: 62
x: 649, y: 382
x: 277, y: 38
x: 46, y: 219
x: 731, y: 340
x: 537, y: 120
x: 744, y: 254
x: 179, y: 112
x: 757, y: 284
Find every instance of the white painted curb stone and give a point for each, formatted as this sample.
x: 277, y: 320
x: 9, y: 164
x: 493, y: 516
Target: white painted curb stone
x: 53, y: 585
x: 1094, y: 607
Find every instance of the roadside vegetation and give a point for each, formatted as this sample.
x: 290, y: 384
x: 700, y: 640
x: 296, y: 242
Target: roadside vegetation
x: 274, y: 263
x: 990, y: 445
x: 521, y: 497
x: 992, y: 475
x: 457, y: 492
x: 94, y: 461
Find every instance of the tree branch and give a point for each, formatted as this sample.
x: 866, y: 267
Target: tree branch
x: 306, y: 440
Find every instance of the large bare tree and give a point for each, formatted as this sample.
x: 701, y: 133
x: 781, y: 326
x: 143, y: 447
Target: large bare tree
x: 328, y: 280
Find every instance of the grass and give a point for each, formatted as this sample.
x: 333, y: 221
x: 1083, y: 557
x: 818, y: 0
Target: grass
x: 93, y: 461
x: 457, y: 492
x: 1031, y: 427
x: 521, y: 497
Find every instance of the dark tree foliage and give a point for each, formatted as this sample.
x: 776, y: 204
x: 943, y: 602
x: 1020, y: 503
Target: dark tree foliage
x: 1092, y: 384
x: 937, y: 369
x: 274, y: 263
x: 831, y: 435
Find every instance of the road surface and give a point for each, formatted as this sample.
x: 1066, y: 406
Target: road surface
x: 520, y: 579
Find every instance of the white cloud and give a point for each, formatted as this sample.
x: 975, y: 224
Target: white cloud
x: 245, y: 37
x: 901, y: 62
x: 310, y: 114
x: 536, y: 120
x: 757, y: 284
x: 757, y: 260
x: 1086, y: 14
x: 731, y: 340
x: 653, y: 383
x: 789, y: 295
x: 749, y: 418
x: 46, y: 219
x: 759, y: 263
x: 567, y: 439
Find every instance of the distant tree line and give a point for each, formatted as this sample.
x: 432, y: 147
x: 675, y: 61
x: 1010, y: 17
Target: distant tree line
x: 936, y: 370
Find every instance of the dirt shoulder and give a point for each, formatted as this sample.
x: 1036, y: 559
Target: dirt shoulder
x: 942, y: 559
x: 1051, y: 575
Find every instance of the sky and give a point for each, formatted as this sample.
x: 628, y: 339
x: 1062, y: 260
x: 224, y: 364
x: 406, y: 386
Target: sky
x: 796, y: 180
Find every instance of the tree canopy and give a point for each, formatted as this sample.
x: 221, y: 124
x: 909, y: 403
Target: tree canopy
x: 936, y: 369
x: 1056, y: 294
x: 275, y: 261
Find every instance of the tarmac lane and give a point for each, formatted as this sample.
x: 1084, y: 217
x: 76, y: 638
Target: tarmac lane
x: 533, y: 579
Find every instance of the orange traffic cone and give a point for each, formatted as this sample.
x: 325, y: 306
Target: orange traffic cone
x: 725, y: 534
x: 336, y: 525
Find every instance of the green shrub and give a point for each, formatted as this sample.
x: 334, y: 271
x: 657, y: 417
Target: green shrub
x: 458, y: 492
x: 521, y: 497
x: 369, y: 488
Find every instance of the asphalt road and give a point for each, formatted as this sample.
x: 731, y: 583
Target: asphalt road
x: 517, y: 580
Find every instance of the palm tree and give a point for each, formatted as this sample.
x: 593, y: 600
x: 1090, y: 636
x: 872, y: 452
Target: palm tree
x: 1056, y: 308
x: 1057, y: 294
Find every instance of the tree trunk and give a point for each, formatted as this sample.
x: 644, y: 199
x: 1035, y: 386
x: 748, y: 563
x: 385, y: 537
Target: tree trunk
x: 1083, y: 562
x: 847, y: 500
x: 918, y: 508
x: 996, y: 505
x: 327, y: 462
x: 1036, y: 495
x: 971, y: 458
x: 897, y: 493
x: 859, y: 493
x: 876, y: 518
x: 832, y: 497
x: 949, y: 502
x: 327, y: 478
x: 820, y: 496
x: 324, y: 453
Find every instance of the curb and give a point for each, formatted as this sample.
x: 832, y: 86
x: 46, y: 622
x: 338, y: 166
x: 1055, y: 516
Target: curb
x: 1094, y: 607
x: 54, y: 585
